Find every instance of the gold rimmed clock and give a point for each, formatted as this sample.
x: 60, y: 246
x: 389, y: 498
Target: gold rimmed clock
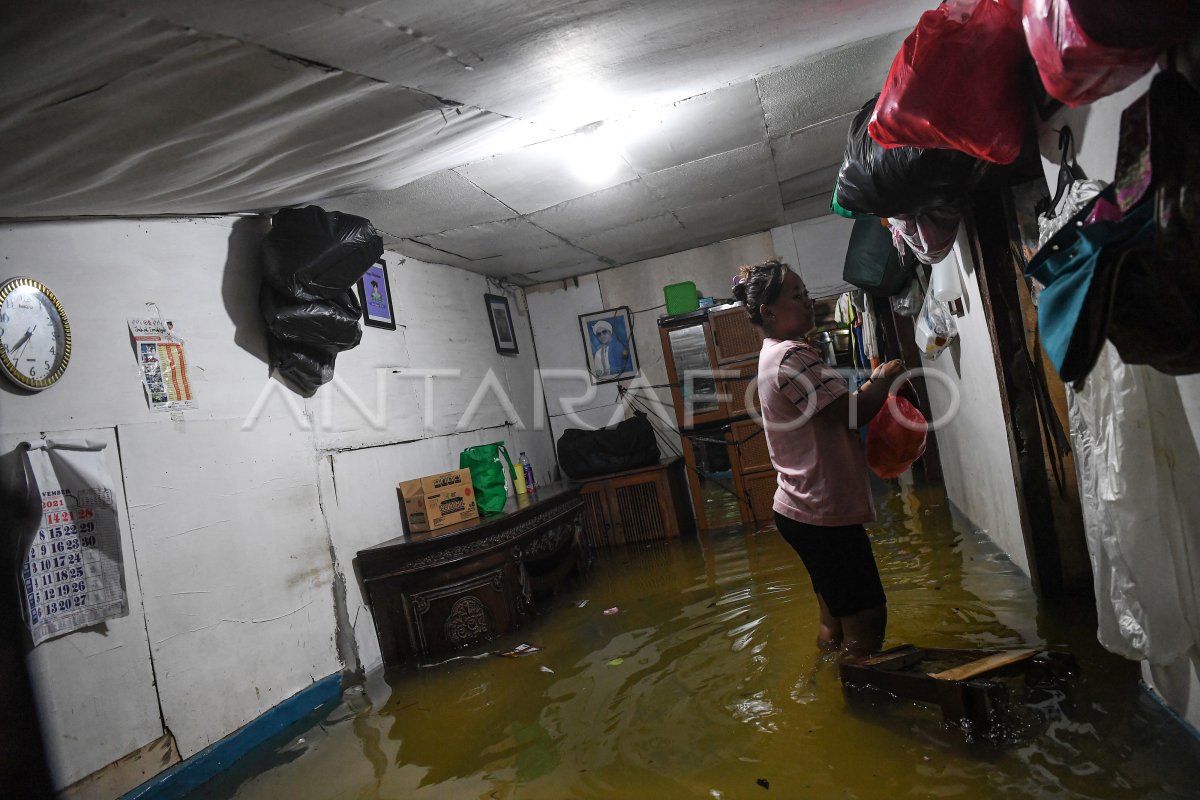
x: 35, y: 337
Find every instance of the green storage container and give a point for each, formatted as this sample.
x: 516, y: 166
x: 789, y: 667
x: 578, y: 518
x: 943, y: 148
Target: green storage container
x: 681, y: 298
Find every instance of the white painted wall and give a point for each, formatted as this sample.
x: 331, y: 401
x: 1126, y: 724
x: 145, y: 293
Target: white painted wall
x: 1096, y: 129
x: 817, y: 247
x: 975, y: 449
x: 238, y: 528
x: 114, y: 694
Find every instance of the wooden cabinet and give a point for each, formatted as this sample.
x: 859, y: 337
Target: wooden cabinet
x: 434, y: 593
x: 711, y: 357
x: 637, y: 505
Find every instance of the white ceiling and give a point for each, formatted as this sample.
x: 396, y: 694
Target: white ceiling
x: 455, y: 126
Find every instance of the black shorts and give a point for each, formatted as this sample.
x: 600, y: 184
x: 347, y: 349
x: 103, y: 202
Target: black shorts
x: 839, y: 563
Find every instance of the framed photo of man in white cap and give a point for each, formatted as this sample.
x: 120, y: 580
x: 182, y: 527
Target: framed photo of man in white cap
x: 608, y: 344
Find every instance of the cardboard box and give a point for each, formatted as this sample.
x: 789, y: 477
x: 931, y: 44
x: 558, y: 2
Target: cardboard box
x: 436, y: 501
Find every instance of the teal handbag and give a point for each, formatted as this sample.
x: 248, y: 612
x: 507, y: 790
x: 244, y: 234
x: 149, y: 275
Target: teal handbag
x: 487, y: 475
x: 1079, y: 267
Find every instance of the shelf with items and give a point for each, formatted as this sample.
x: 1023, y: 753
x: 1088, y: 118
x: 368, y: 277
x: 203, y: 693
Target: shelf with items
x: 711, y: 357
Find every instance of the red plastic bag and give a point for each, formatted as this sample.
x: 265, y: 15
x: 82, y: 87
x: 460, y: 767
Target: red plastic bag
x: 895, y: 437
x: 957, y: 83
x: 1075, y: 68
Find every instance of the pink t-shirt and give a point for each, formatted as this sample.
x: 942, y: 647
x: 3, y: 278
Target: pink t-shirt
x: 820, y: 460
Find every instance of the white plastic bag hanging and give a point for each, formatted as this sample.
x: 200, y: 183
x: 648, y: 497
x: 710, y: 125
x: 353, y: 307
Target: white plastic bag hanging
x: 908, y: 302
x: 1139, y: 500
x: 934, y: 328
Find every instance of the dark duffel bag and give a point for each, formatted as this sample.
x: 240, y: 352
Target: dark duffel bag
x: 627, y: 445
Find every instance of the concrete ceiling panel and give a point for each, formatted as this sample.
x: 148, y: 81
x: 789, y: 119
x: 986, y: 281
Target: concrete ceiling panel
x: 439, y: 202
x: 609, y: 208
x: 818, y: 183
x: 714, y: 122
x: 422, y: 252
x: 549, y: 173
x: 490, y: 239
x: 716, y: 176
x: 800, y: 151
x: 809, y: 208
x: 637, y: 241
x: 755, y: 210
x: 829, y: 85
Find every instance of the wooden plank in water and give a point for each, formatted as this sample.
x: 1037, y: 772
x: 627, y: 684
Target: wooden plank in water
x: 895, y: 658
x: 984, y: 665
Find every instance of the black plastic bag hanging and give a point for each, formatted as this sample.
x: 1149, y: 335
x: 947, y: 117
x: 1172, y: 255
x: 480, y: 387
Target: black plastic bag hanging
x: 900, y: 181
x: 331, y: 325
x: 305, y: 369
x: 311, y: 251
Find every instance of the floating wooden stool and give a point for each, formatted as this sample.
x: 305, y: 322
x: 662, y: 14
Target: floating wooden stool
x: 962, y: 682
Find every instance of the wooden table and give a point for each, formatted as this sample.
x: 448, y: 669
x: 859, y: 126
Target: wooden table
x: 436, y: 592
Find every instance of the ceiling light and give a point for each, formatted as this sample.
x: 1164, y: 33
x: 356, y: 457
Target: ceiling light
x: 592, y: 157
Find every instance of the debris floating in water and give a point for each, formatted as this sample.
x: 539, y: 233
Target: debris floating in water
x: 608, y: 612
x: 521, y: 650
x: 544, y: 668
x: 616, y: 662
x: 581, y: 604
x: 763, y: 782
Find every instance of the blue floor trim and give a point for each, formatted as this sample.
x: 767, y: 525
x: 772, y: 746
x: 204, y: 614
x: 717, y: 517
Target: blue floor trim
x: 1156, y: 697
x: 186, y: 776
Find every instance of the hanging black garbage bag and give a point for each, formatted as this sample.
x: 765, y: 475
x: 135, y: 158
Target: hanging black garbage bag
x: 901, y: 181
x: 331, y: 325
x: 303, y: 368
x: 313, y: 251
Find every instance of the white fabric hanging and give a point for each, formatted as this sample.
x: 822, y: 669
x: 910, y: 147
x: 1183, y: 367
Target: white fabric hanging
x: 1137, y: 485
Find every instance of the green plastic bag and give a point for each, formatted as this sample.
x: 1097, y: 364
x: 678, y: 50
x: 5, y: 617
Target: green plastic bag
x: 836, y: 207
x: 487, y: 475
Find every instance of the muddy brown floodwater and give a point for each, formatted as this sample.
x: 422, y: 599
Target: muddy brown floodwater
x: 707, y: 684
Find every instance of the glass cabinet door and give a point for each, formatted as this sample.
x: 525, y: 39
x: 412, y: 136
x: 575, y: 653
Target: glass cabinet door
x: 694, y: 374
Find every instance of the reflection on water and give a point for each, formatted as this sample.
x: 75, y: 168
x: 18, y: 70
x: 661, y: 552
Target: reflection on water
x: 708, y: 684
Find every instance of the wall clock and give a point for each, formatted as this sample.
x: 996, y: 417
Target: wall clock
x: 35, y: 337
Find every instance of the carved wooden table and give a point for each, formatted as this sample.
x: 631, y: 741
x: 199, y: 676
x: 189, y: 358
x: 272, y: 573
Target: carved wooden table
x: 436, y: 592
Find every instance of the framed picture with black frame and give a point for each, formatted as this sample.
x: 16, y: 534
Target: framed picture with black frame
x: 504, y: 334
x: 608, y: 344
x: 375, y: 292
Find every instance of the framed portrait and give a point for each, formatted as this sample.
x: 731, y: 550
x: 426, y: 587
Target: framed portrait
x: 376, y: 295
x: 503, y: 332
x: 608, y: 344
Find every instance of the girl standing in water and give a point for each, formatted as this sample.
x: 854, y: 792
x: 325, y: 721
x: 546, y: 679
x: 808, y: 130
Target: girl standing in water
x: 824, y: 494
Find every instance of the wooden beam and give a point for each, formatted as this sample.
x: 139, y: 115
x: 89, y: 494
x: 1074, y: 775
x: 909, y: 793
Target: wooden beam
x: 994, y: 263
x: 983, y: 666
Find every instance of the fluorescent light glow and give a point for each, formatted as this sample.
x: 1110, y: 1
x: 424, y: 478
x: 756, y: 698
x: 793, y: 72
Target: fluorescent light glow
x: 592, y: 157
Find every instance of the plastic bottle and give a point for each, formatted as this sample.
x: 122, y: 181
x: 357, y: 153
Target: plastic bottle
x: 944, y: 282
x: 524, y: 461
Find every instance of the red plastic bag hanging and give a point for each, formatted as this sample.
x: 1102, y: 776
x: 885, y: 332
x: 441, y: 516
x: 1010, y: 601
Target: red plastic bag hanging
x: 1075, y: 68
x: 957, y: 83
x: 895, y: 437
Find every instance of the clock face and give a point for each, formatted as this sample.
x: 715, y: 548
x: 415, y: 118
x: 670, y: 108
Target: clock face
x: 35, y: 338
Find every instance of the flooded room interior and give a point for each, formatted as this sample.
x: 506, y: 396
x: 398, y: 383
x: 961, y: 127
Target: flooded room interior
x: 525, y: 400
